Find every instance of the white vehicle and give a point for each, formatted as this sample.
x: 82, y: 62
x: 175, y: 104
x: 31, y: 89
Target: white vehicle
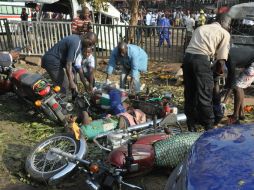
x: 108, y: 36
x: 12, y: 11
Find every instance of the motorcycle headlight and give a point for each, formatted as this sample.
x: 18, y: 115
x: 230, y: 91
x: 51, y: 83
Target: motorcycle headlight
x: 94, y: 168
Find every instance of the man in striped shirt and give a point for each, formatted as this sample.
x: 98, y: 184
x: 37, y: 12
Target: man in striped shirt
x: 82, y: 24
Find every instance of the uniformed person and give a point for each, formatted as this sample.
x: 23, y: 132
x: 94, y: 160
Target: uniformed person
x: 208, y: 41
x: 201, y: 18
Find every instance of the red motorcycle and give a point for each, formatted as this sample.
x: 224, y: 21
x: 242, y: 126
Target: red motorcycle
x: 35, y: 90
x: 133, y: 151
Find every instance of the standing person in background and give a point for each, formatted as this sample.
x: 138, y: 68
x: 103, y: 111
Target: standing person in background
x: 35, y: 14
x: 164, y: 30
x: 139, y: 28
x: 190, y: 25
x: 201, y: 18
x: 24, y: 17
x: 207, y: 42
x: 82, y: 24
x: 148, y: 23
x: 154, y: 22
x: 196, y: 18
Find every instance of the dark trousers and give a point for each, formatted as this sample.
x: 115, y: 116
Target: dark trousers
x: 56, y: 72
x: 198, y: 90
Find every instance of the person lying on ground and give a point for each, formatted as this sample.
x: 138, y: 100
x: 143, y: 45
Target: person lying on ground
x: 129, y: 117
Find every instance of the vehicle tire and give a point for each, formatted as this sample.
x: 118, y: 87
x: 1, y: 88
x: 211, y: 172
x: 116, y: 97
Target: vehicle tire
x: 42, y: 165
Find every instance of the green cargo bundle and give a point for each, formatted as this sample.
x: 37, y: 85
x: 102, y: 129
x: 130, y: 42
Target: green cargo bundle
x: 170, y: 152
x: 99, y: 126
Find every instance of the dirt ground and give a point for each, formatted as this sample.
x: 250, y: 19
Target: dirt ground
x: 20, y: 129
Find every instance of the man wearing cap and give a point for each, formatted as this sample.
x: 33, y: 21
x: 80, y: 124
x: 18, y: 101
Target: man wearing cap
x: 207, y: 42
x: 132, y: 59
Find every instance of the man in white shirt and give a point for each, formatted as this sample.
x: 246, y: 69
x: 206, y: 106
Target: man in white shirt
x: 148, y: 22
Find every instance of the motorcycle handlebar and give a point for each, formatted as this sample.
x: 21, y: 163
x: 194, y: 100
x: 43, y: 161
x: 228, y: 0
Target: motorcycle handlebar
x: 69, y: 156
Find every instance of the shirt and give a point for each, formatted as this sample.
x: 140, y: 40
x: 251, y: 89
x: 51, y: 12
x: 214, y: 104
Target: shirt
x: 67, y: 49
x: 190, y: 24
x: 80, y: 26
x: 136, y: 59
x: 211, y: 40
x: 85, y: 63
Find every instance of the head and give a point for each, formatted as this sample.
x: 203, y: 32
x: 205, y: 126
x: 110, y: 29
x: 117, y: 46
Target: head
x: 15, y: 54
x: 88, y: 51
x: 37, y: 8
x: 126, y: 103
x: 225, y: 20
x: 23, y: 10
x: 89, y: 39
x: 122, y: 49
x: 85, y: 12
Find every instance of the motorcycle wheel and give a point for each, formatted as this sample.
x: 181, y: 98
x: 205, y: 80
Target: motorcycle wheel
x: 42, y: 165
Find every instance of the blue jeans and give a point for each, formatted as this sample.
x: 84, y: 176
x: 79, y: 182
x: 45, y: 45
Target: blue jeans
x: 123, y: 78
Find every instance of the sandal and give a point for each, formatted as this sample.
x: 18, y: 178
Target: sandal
x: 232, y: 120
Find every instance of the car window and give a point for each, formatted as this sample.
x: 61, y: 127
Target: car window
x: 242, y: 27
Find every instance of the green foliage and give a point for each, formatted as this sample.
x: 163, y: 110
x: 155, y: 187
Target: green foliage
x: 97, y: 4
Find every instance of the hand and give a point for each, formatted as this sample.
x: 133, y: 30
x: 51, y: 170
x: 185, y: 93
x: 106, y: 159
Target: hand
x: 223, y: 108
x: 108, y: 81
x: 73, y: 86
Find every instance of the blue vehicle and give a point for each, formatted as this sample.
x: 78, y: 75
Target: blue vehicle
x: 221, y: 159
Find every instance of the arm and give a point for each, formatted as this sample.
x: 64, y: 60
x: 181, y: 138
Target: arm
x: 70, y: 75
x: 112, y: 62
x: 82, y: 78
x: 91, y: 78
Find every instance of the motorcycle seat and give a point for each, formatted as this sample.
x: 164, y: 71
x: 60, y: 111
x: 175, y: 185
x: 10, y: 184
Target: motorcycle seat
x: 30, y: 79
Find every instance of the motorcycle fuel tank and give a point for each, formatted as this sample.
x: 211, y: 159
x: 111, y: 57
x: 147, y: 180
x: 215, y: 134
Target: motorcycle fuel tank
x: 143, y: 155
x: 150, y: 139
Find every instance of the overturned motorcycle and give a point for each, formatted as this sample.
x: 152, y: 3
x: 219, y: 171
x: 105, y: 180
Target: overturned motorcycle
x: 35, y: 90
x: 135, y: 150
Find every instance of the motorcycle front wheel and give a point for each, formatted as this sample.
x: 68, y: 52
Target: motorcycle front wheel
x: 41, y: 164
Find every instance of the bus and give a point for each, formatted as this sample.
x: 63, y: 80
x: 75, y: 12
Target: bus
x: 12, y: 11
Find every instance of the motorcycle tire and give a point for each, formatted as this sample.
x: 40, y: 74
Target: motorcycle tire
x: 41, y: 165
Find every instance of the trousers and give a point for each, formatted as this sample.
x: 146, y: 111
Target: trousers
x: 198, y: 90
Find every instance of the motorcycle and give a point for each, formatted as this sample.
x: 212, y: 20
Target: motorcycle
x: 133, y: 151
x: 35, y: 90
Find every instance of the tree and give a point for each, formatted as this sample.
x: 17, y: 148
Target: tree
x: 134, y: 4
